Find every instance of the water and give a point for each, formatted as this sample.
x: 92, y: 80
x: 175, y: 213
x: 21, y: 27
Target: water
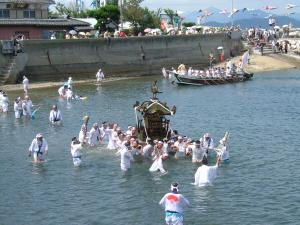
x: 259, y: 186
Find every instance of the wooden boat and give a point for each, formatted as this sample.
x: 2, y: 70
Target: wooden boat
x: 151, y: 117
x: 193, y: 80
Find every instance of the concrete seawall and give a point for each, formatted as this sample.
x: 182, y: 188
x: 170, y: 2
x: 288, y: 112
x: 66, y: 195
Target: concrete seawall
x: 53, y: 60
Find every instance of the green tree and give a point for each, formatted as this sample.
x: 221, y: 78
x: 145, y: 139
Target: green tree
x: 103, y: 14
x: 188, y: 24
x: 171, y: 14
x: 70, y: 10
x: 151, y: 19
x: 133, y: 13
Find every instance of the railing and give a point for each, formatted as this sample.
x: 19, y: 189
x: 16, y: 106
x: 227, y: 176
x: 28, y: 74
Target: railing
x: 7, y: 47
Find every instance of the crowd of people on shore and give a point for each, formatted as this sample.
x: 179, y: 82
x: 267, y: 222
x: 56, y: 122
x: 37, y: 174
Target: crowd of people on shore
x: 259, y: 38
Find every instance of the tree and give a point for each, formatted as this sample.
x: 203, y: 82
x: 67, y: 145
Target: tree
x: 151, y: 19
x: 171, y: 14
x: 188, y: 24
x: 70, y: 10
x: 105, y: 14
x: 133, y: 13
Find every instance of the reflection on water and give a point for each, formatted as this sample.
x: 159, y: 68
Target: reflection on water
x: 262, y: 178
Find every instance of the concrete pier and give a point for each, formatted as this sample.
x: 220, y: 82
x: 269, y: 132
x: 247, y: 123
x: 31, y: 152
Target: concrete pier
x: 54, y: 60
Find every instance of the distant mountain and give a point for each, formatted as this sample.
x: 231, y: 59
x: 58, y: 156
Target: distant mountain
x: 223, y: 18
x: 244, y: 19
x: 262, y: 22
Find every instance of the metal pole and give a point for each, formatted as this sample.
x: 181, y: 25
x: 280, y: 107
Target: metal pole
x: 121, y: 12
x: 231, y: 13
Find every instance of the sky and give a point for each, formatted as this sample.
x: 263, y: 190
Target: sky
x: 194, y: 5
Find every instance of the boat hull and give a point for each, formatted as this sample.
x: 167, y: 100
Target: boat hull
x: 188, y: 80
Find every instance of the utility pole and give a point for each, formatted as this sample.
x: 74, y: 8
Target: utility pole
x: 232, y: 13
x: 120, y: 3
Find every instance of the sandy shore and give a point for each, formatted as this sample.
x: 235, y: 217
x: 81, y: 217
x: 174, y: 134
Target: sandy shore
x: 50, y: 84
x: 270, y: 62
x: 257, y: 64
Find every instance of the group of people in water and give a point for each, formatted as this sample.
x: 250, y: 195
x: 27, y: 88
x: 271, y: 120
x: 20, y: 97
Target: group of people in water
x: 127, y: 145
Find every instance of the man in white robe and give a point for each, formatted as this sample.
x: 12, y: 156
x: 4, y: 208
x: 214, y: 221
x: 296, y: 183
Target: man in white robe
x: 99, y: 75
x: 94, y: 135
x: 197, y: 152
x: 113, y: 138
x: 126, y: 157
x: 174, y: 204
x: 25, y: 84
x: 207, y: 143
x: 38, y: 148
x: 75, y: 151
x: 205, y: 174
x: 18, y: 108
x: 4, y: 103
x: 222, y: 151
x: 70, y: 83
x: 55, y: 115
x: 27, y: 106
x: 179, y: 146
x: 104, y: 133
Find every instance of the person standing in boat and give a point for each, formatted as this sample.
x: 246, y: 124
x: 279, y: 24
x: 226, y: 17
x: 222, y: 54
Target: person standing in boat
x: 38, y: 148
x: 55, y: 115
x: 174, y: 204
x: 207, y: 143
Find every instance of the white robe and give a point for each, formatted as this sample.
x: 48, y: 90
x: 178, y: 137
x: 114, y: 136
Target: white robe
x: 94, y: 136
x: 55, y: 116
x: 76, y: 154
x: 25, y: 84
x: 113, y: 138
x: 18, y: 110
x: 4, y: 103
x: 69, y: 94
x: 61, y: 91
x: 205, y: 175
x: 27, y: 107
x: 223, y: 152
x: 198, y: 153
x: 126, y: 158
x: 157, y: 165
x: 34, y: 149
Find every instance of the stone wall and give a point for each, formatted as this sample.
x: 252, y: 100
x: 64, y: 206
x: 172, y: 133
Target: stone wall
x: 53, y: 60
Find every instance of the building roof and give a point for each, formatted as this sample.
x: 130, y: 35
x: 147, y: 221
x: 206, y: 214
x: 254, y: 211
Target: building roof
x: 28, y: 1
x: 91, y: 21
x: 42, y: 22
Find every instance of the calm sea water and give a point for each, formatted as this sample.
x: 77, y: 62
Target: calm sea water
x: 259, y: 186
